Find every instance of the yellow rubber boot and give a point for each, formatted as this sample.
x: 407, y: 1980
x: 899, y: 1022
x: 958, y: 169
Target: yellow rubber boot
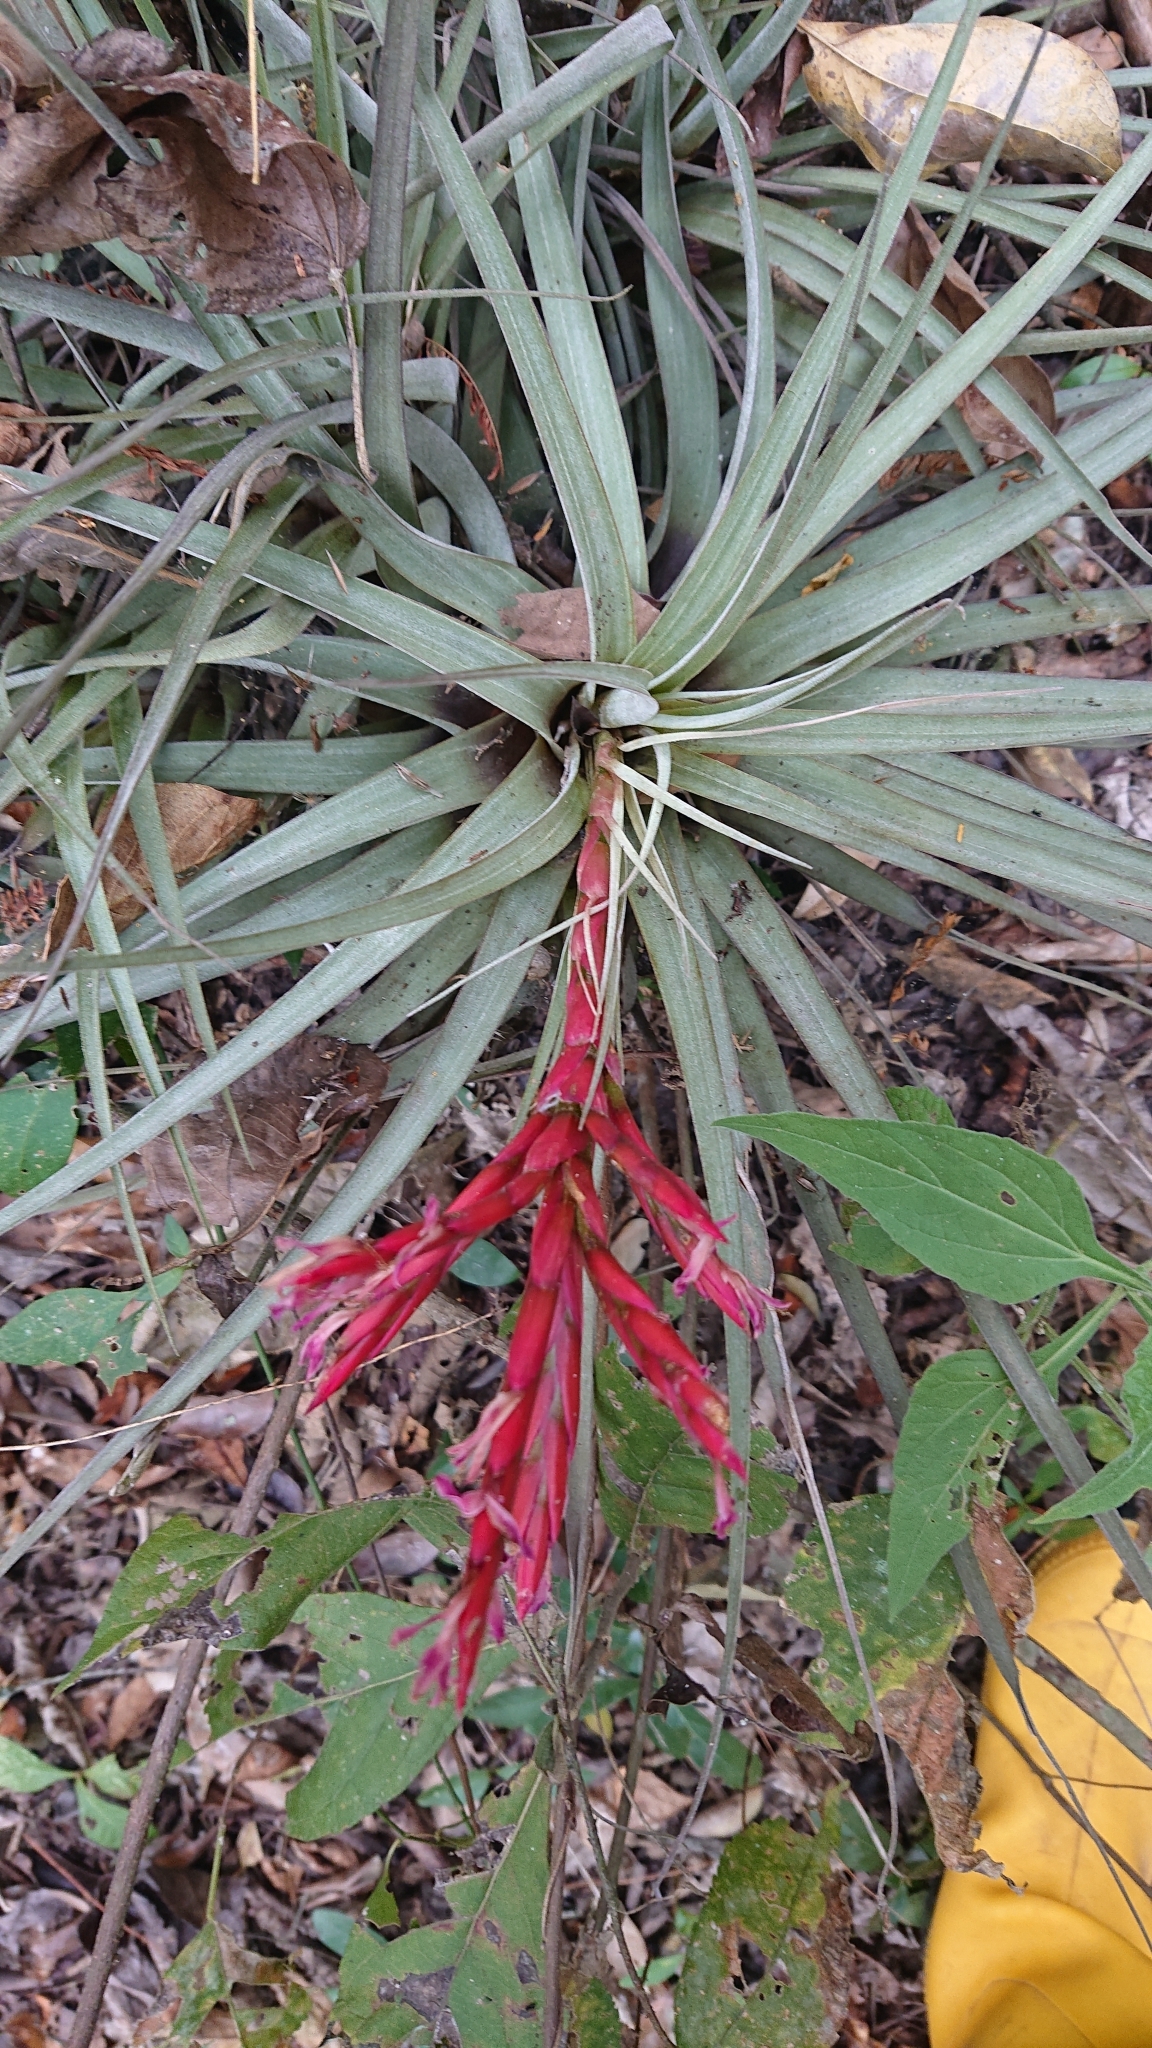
x: 1067, y: 1963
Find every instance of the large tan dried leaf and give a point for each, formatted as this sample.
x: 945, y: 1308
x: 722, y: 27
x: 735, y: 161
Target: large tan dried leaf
x: 553, y: 624
x: 914, y: 250
x: 286, y: 1107
x: 200, y: 825
x: 873, y: 84
x: 927, y: 1719
x: 250, y: 246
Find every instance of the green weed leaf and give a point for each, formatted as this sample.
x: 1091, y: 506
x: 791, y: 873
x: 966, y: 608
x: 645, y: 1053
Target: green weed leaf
x: 893, y: 1651
x: 37, y: 1126
x: 769, y: 1891
x: 179, y: 1563
x: 962, y: 1410
x: 379, y: 1737
x: 204, y: 1974
x: 983, y: 1211
x: 1123, y: 1475
x: 303, y: 1551
x: 21, y: 1770
x: 484, y: 1966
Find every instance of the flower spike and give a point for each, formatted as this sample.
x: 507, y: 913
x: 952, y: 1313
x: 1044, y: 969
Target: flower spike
x: 509, y: 1477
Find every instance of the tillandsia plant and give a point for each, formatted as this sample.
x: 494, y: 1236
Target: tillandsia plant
x: 525, y: 591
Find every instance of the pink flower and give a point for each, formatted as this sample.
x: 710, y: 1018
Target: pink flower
x: 510, y: 1476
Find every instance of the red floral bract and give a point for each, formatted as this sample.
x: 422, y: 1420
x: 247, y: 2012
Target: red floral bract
x: 511, y: 1474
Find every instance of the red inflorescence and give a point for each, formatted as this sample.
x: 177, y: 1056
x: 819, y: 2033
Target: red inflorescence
x: 511, y: 1474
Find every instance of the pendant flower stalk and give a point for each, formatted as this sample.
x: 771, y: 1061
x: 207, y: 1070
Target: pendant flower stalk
x: 510, y: 1475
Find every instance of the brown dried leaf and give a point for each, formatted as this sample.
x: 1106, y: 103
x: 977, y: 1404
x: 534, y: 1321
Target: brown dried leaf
x: 1103, y: 45
x: 1055, y: 770
x: 131, y: 1710
x: 927, y: 1719
x: 251, y: 246
x: 762, y: 106
x: 948, y: 967
x: 1133, y: 18
x: 873, y: 84
x: 200, y: 825
x: 21, y: 431
x: 286, y: 1107
x: 1006, y: 1575
x: 553, y: 624
x: 913, y: 252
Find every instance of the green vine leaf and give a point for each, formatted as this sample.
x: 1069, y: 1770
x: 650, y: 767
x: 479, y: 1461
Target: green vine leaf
x: 75, y: 1325
x: 983, y: 1211
x: 774, y: 1890
x: 656, y: 1477
x: 962, y: 1410
x: 893, y: 1652
x: 483, y: 1969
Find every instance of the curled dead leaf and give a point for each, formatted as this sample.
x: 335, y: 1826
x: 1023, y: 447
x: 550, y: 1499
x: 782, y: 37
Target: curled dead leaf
x: 793, y: 1702
x: 913, y: 252
x: 873, y: 84
x: 1054, y: 770
x: 200, y: 825
x: 58, y: 548
x: 21, y: 431
x: 1133, y: 18
x: 250, y: 246
x: 286, y: 1107
x: 1007, y: 1576
x: 762, y: 107
x: 927, y: 1719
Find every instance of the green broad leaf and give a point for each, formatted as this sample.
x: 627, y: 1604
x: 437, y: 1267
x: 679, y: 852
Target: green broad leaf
x: 1113, y: 368
x: 438, y: 1520
x: 483, y: 1969
x: 101, y: 1820
x: 593, y: 2020
x: 893, y: 1650
x: 983, y: 1211
x: 332, y: 1928
x: 484, y: 1265
x: 303, y: 1551
x: 683, y: 1732
x: 380, y: 1906
x: 177, y: 1242
x: 78, y: 1325
x: 1132, y: 1469
x: 179, y: 1562
x: 37, y: 1127
x: 110, y: 1776
x: 962, y: 1410
x: 769, y: 1892
x: 871, y: 1247
x: 204, y: 1974
x: 921, y: 1106
x: 515, y: 1706
x: 668, y: 1481
x: 379, y: 1737
x: 21, y: 1770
